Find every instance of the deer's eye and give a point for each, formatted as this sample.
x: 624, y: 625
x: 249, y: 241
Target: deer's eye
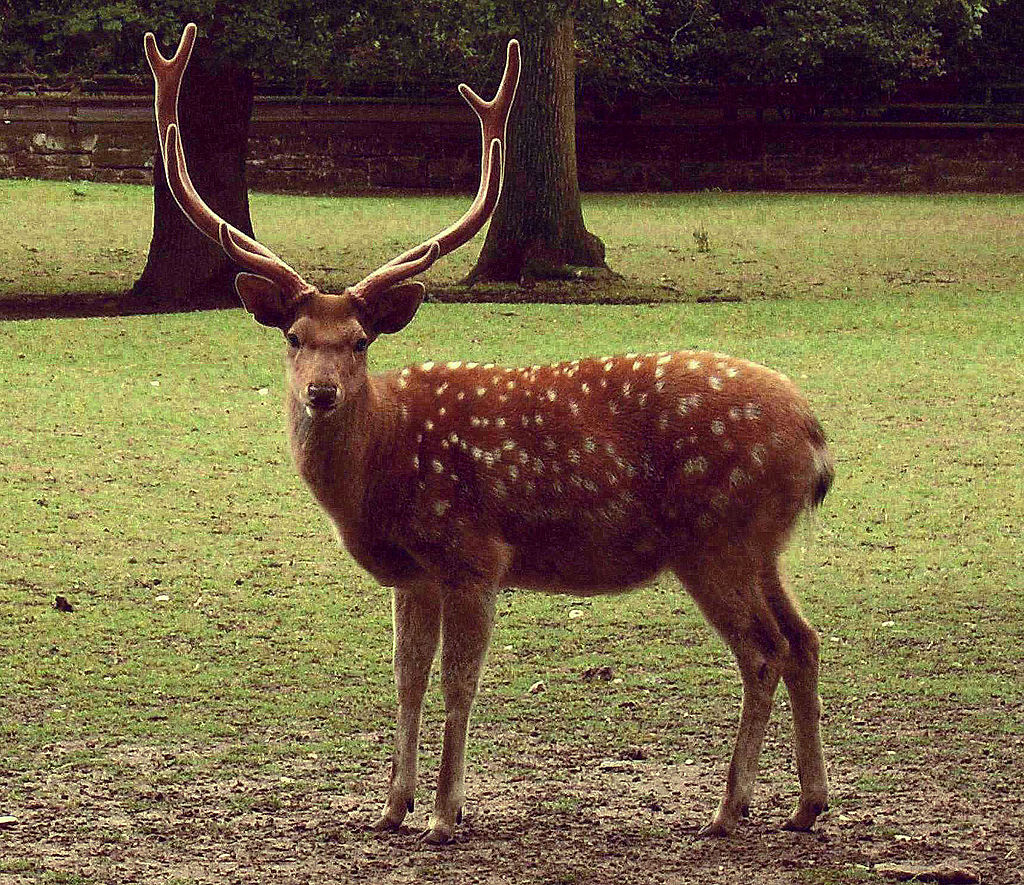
x: 361, y: 345
x: 292, y: 339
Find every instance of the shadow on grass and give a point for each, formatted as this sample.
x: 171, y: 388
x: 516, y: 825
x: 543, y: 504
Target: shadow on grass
x: 70, y: 305
x: 615, y: 291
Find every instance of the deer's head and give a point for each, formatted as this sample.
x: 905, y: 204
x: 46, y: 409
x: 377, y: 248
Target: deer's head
x: 328, y: 334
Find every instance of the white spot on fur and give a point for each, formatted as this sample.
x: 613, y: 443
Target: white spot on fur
x: 428, y: 424
x: 415, y: 462
x: 426, y: 367
x: 437, y: 465
x: 717, y: 427
x: 585, y: 388
x: 455, y: 365
x: 499, y: 422
x: 480, y: 391
x: 695, y: 466
x: 752, y: 411
x: 735, y: 413
x: 715, y: 383
x: 693, y: 365
x: 441, y: 507
x: 551, y: 395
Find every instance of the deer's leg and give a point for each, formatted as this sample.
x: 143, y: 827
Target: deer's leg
x: 417, y: 622
x: 467, y: 618
x: 734, y: 604
x: 801, y: 678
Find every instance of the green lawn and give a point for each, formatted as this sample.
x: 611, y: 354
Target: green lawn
x: 220, y: 639
x: 60, y: 238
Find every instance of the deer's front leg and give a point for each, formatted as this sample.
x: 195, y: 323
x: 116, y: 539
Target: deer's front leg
x: 467, y: 618
x: 417, y: 622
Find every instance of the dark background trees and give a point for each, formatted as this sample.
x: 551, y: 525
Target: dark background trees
x: 624, y: 50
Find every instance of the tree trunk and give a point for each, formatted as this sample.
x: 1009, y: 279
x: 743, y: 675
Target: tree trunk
x: 184, y: 268
x: 537, y: 231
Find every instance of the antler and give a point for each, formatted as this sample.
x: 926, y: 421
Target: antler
x: 243, y: 249
x: 493, y: 116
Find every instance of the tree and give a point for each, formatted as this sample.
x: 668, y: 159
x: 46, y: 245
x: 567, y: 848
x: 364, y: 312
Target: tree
x: 537, y: 230
x: 214, y: 109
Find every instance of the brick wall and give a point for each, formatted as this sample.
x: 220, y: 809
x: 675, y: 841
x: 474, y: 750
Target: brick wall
x: 367, y: 147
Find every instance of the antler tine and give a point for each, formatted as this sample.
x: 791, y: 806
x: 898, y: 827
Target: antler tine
x: 493, y: 117
x: 250, y: 254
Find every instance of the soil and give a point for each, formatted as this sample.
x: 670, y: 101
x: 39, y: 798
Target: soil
x: 554, y: 818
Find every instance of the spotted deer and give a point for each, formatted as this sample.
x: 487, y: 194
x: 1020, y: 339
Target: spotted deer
x: 450, y: 480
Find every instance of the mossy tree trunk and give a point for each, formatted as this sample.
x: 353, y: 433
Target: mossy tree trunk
x: 537, y: 231
x: 214, y: 109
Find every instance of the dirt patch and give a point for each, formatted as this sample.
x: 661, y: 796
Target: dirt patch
x: 147, y: 816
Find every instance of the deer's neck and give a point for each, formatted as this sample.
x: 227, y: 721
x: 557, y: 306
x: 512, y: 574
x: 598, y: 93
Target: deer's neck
x: 335, y: 453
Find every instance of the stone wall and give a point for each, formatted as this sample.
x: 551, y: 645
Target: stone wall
x: 368, y: 147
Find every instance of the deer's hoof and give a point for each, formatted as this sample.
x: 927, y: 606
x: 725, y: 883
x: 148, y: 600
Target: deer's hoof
x: 803, y: 818
x: 437, y: 834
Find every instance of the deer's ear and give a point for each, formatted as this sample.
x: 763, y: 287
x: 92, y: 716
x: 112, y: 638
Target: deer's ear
x: 392, y: 310
x: 263, y: 298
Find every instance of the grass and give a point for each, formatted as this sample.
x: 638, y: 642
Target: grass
x: 218, y: 631
x: 58, y: 238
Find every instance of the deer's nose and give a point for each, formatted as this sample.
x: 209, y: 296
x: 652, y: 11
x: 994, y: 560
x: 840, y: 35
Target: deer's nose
x: 322, y: 396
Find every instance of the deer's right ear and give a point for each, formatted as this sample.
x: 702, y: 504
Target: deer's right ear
x: 263, y: 298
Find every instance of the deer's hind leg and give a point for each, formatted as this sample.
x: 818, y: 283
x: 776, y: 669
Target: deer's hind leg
x: 801, y: 678
x: 728, y: 592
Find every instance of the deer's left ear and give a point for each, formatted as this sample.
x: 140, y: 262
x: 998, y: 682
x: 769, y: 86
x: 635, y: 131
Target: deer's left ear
x: 391, y: 311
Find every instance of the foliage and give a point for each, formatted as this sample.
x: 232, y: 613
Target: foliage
x: 837, y: 50
x: 851, y: 50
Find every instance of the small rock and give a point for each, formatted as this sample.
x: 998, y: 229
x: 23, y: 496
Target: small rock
x: 7, y: 820
x: 62, y: 605
x: 537, y: 688
x: 163, y: 597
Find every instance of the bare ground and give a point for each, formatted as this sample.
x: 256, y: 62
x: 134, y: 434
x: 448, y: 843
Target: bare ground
x: 555, y: 818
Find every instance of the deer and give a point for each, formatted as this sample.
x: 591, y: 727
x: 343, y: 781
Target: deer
x: 450, y: 482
